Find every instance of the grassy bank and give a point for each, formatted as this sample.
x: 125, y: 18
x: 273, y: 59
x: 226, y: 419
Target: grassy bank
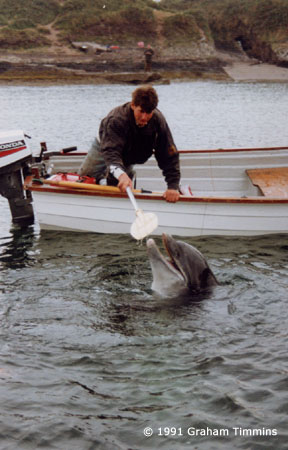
x: 258, y: 26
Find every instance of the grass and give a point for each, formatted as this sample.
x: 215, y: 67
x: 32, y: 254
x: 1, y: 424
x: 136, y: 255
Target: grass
x: 21, y: 39
x: 37, y: 11
x: 107, y: 26
x: 181, y: 28
x: 129, y: 21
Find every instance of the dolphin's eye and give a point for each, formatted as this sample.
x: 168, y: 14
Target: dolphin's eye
x: 177, y: 254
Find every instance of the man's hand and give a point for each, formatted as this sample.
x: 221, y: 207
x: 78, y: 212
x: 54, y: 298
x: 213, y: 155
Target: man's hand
x: 124, y: 182
x: 171, y: 195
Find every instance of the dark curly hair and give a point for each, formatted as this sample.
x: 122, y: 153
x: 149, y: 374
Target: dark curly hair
x: 146, y: 97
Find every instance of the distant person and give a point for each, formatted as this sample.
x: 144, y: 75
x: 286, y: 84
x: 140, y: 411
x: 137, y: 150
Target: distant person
x: 129, y: 135
x: 148, y: 53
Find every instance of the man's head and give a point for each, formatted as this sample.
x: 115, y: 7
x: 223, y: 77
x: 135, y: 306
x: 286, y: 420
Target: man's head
x: 144, y: 101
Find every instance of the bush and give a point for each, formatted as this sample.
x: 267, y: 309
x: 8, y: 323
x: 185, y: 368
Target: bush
x: 270, y: 16
x: 38, y: 11
x: 109, y: 26
x: 21, y: 24
x: 181, y: 28
x: 21, y: 39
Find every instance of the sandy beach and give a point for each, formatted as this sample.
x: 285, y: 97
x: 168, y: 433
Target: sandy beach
x: 257, y: 72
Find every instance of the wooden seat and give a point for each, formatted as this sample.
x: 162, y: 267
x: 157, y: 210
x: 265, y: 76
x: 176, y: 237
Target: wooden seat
x: 271, y: 182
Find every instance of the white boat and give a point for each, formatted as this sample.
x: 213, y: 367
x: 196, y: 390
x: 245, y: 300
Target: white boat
x: 234, y: 192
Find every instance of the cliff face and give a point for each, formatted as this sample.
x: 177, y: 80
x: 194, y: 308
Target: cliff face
x: 187, y: 29
x: 259, y: 28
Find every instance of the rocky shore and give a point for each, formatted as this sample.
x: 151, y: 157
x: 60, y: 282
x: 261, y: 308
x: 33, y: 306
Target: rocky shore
x: 126, y: 66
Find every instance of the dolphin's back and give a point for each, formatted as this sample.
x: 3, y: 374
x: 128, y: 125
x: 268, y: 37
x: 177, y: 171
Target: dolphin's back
x: 198, y: 273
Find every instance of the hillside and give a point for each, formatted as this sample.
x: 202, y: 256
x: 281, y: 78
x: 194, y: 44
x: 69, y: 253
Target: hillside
x: 197, y: 36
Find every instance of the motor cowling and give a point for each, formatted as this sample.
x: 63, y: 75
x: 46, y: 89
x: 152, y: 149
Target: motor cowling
x: 15, y: 164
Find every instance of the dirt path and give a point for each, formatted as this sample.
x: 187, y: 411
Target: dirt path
x: 160, y: 17
x: 56, y: 46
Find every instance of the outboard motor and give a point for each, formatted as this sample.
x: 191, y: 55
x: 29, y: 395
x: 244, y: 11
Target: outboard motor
x: 15, y: 160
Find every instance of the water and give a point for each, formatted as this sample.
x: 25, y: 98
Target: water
x: 89, y: 356
x: 201, y: 114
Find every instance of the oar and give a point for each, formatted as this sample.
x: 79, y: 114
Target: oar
x: 84, y: 186
x: 145, y: 223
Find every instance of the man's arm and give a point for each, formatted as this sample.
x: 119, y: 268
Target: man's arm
x: 167, y: 157
x: 112, y: 135
x: 112, y: 141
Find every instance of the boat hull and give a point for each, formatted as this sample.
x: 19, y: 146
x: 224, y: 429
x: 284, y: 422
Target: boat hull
x: 189, y: 217
x: 229, y: 196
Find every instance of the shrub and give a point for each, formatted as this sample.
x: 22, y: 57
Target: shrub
x: 21, y: 24
x: 21, y: 39
x: 181, y: 28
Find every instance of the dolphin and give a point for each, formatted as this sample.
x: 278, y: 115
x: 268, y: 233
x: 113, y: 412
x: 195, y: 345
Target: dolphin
x: 186, y: 271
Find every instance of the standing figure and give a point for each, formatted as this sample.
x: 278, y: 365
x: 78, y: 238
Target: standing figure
x: 148, y: 53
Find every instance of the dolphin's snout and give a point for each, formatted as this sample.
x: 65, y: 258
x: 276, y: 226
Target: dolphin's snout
x: 150, y: 242
x: 185, y: 269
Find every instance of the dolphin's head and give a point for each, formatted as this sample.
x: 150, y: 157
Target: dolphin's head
x: 184, y: 271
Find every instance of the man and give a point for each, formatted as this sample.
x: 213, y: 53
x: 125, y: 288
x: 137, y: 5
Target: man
x: 148, y: 53
x: 129, y: 135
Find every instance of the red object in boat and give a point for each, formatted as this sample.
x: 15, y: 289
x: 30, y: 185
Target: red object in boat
x: 74, y: 177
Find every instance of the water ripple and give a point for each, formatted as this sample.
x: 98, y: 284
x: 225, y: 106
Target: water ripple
x: 89, y: 356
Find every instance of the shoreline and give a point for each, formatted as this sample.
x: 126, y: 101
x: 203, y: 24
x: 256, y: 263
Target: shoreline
x: 256, y: 72
x: 126, y: 67
x: 240, y: 73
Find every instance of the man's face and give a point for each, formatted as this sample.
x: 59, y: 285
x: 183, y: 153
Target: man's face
x: 141, y: 117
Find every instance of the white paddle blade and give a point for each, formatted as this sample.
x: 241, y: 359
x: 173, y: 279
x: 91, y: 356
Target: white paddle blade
x: 143, y: 225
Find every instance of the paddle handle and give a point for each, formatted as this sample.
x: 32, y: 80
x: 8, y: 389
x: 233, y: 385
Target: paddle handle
x: 87, y: 186
x: 132, y: 198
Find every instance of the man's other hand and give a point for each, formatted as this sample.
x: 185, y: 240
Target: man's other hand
x: 171, y: 195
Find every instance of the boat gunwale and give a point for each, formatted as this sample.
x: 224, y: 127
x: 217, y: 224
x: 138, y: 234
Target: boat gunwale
x: 231, y: 150
x: 48, y: 154
x: 145, y: 196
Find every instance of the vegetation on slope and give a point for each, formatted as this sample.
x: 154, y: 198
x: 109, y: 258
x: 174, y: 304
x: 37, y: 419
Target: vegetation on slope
x: 105, y: 25
x: 259, y: 26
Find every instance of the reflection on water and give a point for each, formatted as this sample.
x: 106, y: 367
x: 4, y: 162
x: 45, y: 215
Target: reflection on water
x: 89, y: 356
x: 16, y: 249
